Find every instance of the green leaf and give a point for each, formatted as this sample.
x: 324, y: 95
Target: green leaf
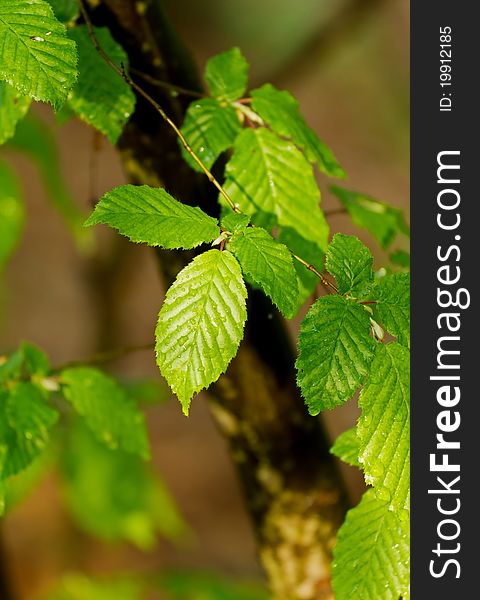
x: 107, y: 409
x: 114, y: 495
x: 150, y: 215
x: 371, y: 560
x: 28, y: 360
x: 80, y: 587
x: 308, y: 251
x: 392, y: 295
x: 201, y: 323
x: 188, y: 585
x: 384, y: 427
x: 346, y: 447
x: 350, y: 262
x: 11, y: 366
x: 268, y: 177
x: 380, y: 219
x: 65, y: 10
x: 101, y: 97
x: 226, y: 75
x: 36, y: 140
x: 235, y: 222
x: 12, y: 213
x: 148, y: 391
x: 36, y: 361
x: 25, y: 420
x: 281, y: 111
x: 269, y: 264
x: 18, y: 487
x: 400, y: 258
x: 210, y: 129
x: 37, y: 57
x: 335, y: 351
x: 2, y: 496
x: 13, y: 107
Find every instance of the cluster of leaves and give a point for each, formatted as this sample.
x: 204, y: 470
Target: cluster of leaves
x: 342, y: 346
x: 270, y: 176
x: 119, y: 498
x: 42, y: 60
x: 270, y: 184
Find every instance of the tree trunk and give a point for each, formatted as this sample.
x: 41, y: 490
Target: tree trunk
x: 291, y: 485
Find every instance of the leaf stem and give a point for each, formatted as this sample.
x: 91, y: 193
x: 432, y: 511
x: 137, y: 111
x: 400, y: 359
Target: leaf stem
x: 166, y: 85
x: 311, y: 268
x: 102, y: 357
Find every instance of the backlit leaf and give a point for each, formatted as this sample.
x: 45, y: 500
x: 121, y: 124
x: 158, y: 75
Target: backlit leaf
x: 201, y: 323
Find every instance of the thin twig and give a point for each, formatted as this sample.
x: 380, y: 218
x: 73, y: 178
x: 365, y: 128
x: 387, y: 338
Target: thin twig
x: 166, y: 85
x: 103, y: 357
x: 311, y: 268
x: 335, y: 211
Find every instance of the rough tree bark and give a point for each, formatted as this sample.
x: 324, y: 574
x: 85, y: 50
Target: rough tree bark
x: 293, y: 491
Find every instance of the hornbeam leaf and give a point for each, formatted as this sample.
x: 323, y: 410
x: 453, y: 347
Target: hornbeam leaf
x: 392, y: 296
x: 13, y: 106
x: 38, y: 59
x: 281, y: 111
x: 36, y: 140
x: 269, y: 264
x: 384, y: 427
x: 335, y: 351
x: 114, y: 495
x: 25, y: 421
x: 12, y: 213
x: 107, y: 409
x: 380, y: 219
x: 346, y: 447
x: 35, y: 360
x: 209, y: 129
x: 400, y: 258
x: 234, y: 222
x: 151, y: 215
x: 226, y: 75
x: 101, y: 97
x: 308, y: 251
x: 65, y: 10
x: 371, y: 560
x: 201, y: 585
x: 350, y: 262
x: 268, y: 177
x: 201, y: 323
x: 77, y: 586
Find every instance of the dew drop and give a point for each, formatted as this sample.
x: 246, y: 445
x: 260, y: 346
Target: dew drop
x: 367, y: 419
x: 376, y: 469
x: 383, y: 494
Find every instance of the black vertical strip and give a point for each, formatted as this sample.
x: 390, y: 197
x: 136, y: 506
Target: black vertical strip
x: 445, y: 544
